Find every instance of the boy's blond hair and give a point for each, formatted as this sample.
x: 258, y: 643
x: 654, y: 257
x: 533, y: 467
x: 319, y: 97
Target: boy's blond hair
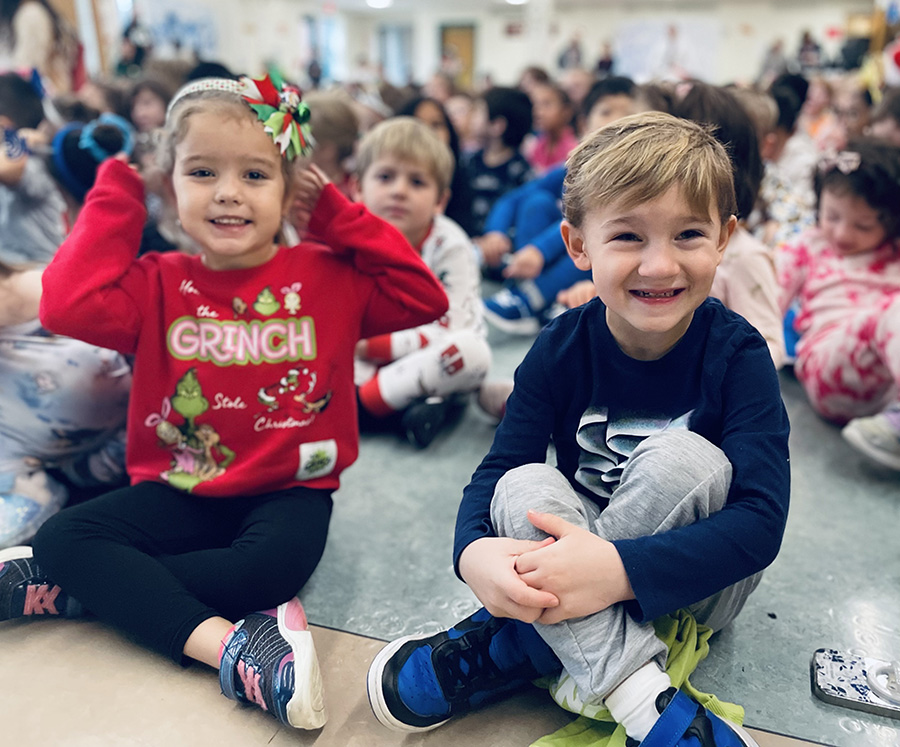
x: 407, y: 139
x: 638, y: 158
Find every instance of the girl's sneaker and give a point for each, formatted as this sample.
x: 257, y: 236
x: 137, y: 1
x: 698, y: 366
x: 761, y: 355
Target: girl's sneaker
x: 25, y: 590
x: 685, y: 723
x: 268, y: 659
x: 878, y: 436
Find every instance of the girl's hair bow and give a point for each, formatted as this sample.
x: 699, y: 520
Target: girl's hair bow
x: 847, y: 161
x: 281, y: 109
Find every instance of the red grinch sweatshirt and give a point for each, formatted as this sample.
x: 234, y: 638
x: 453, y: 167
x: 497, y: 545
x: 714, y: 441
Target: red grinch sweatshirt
x: 243, y: 379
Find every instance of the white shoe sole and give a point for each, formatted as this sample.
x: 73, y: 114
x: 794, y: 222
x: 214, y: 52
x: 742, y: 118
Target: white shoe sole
x: 525, y: 326
x: 742, y: 733
x: 16, y: 553
x: 376, y: 694
x: 306, y: 709
x: 857, y: 440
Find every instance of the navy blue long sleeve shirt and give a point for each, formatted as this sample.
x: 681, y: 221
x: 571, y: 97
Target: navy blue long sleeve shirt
x: 578, y: 389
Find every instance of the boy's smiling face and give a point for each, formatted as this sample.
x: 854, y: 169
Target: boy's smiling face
x: 652, y: 264
x: 404, y: 194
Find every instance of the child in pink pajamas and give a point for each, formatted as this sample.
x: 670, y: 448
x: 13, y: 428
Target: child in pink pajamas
x: 845, y: 273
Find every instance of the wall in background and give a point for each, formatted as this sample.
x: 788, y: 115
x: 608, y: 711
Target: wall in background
x: 726, y: 40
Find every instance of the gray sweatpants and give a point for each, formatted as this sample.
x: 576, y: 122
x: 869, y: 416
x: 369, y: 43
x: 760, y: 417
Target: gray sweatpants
x: 672, y: 479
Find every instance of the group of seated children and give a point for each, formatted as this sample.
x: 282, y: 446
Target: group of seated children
x: 357, y: 304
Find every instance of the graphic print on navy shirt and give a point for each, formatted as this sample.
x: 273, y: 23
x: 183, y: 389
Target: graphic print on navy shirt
x: 606, y: 444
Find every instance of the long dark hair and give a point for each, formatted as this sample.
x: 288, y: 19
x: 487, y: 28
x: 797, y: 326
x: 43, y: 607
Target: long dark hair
x: 460, y: 206
x: 9, y: 8
x: 733, y: 128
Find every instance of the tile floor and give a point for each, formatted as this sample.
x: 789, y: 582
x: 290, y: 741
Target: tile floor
x: 387, y: 571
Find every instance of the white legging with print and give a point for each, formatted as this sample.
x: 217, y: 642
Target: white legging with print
x: 455, y: 362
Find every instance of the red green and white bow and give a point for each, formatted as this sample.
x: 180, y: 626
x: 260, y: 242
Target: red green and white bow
x: 281, y: 109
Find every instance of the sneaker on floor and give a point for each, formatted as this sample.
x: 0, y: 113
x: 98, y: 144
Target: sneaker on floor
x: 25, y: 590
x: 416, y: 683
x: 268, y: 659
x: 876, y: 437
x: 423, y: 419
x: 492, y: 396
x: 510, y: 311
x: 681, y: 716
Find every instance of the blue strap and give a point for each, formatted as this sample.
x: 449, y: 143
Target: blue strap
x: 672, y: 723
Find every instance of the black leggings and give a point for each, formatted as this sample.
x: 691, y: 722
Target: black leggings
x: 156, y: 562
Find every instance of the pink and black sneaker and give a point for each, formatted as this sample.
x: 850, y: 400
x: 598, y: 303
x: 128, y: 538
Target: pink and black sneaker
x: 268, y: 659
x: 25, y: 590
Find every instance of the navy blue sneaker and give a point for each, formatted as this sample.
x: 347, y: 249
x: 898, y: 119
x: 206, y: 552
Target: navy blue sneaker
x: 417, y: 683
x: 425, y: 418
x: 26, y: 591
x: 510, y: 310
x: 268, y: 659
x: 685, y: 723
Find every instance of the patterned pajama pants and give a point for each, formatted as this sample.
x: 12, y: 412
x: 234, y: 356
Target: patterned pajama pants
x: 852, y: 368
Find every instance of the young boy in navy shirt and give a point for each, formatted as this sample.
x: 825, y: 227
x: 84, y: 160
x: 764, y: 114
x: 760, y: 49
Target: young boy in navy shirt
x: 671, y: 484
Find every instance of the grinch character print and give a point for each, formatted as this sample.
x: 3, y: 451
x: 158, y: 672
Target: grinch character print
x: 297, y: 389
x: 198, y: 454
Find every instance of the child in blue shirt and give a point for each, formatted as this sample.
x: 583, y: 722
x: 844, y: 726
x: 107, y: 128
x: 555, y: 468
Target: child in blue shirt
x: 671, y: 483
x: 522, y: 231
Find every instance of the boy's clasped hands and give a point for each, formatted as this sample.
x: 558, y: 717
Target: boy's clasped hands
x: 570, y: 574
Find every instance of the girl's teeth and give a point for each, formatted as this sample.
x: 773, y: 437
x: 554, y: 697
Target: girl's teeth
x: 230, y: 221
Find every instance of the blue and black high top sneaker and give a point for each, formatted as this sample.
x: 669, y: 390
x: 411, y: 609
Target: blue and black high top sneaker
x: 416, y: 683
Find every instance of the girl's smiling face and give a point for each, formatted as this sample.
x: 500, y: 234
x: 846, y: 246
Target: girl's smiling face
x: 850, y: 225
x: 229, y: 188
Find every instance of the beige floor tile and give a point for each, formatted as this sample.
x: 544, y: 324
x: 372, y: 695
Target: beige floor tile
x: 79, y: 684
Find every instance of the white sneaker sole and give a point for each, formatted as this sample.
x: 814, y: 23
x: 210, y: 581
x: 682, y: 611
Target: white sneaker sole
x: 306, y: 709
x: 857, y: 440
x: 376, y: 694
x: 742, y: 733
x: 526, y: 326
x: 16, y: 553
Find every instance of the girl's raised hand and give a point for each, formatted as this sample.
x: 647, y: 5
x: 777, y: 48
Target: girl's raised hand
x: 308, y: 186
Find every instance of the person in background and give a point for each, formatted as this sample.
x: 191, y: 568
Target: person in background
x: 539, y: 268
x: 885, y: 123
x: 149, y: 99
x: 816, y: 116
x: 460, y: 109
x: 852, y: 106
x: 745, y: 281
x: 845, y: 273
x: 32, y: 210
x: 501, y: 120
x: 63, y: 402
x: 552, y: 114
x: 532, y: 76
x: 432, y: 113
x: 786, y: 198
x: 415, y: 380
x: 33, y: 35
x: 335, y: 129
